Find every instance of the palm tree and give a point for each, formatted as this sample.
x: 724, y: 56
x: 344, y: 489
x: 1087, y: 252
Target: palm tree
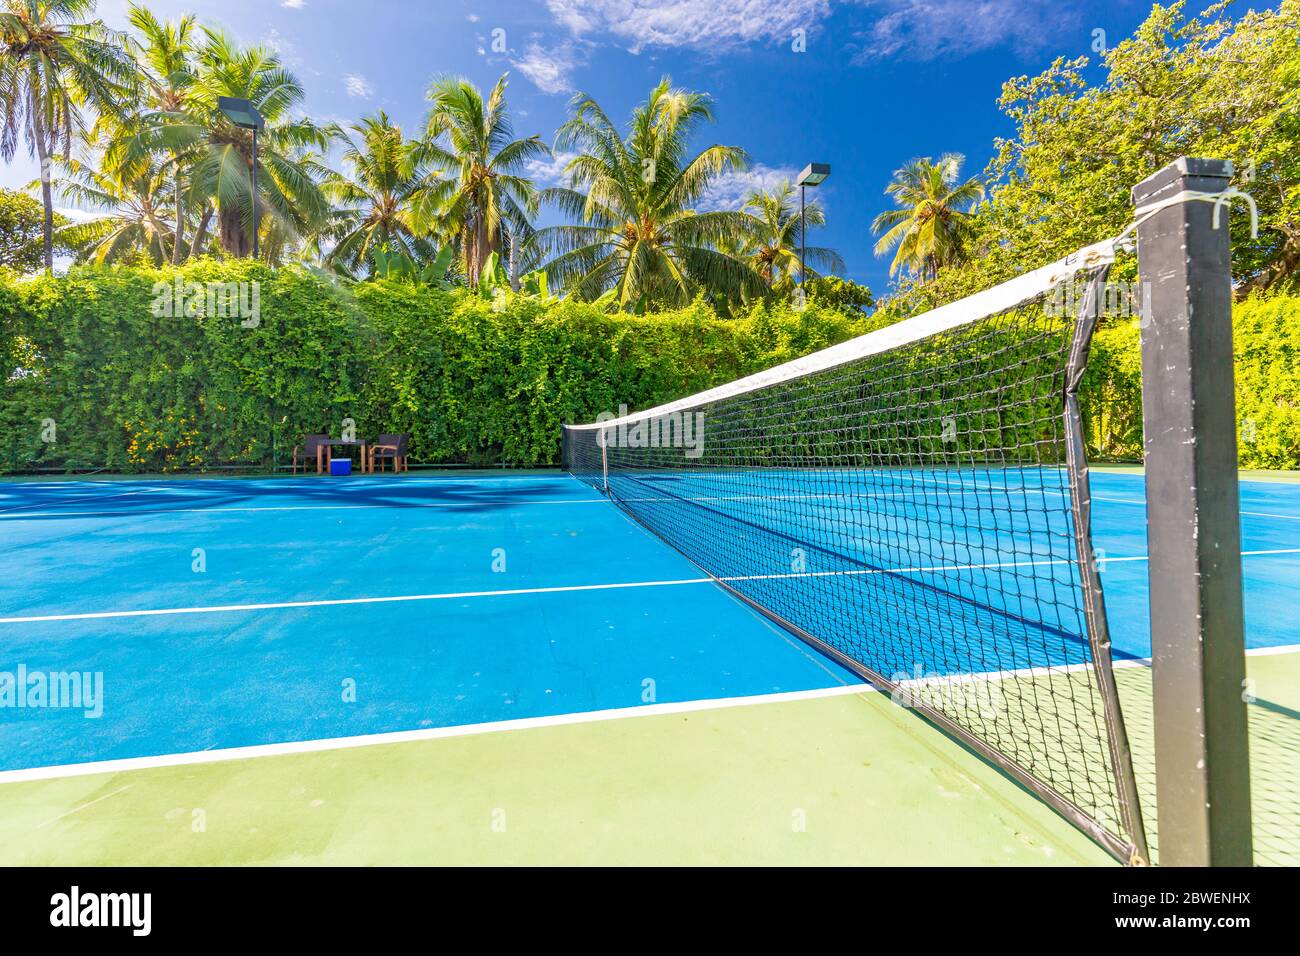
x: 933, y: 225
x: 487, y: 201
x: 776, y: 230
x: 138, y: 209
x: 219, y: 154
x: 54, y: 61
x: 388, y: 201
x: 164, y: 54
x: 637, y: 232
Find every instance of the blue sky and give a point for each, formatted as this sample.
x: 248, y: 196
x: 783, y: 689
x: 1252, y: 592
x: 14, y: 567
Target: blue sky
x: 879, y: 81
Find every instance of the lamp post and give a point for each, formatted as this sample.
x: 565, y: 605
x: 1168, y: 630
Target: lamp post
x: 245, y: 115
x: 814, y: 174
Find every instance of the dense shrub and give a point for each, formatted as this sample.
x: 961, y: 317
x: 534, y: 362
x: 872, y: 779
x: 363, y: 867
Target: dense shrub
x: 471, y: 380
x: 1267, y: 349
x: 1266, y: 343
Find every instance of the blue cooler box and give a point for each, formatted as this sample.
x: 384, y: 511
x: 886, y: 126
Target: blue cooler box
x: 340, y: 466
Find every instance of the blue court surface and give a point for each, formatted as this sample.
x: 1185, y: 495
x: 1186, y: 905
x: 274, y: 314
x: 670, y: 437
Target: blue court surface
x: 236, y: 612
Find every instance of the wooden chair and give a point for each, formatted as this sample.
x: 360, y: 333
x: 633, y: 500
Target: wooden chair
x: 306, y: 453
x: 389, y: 448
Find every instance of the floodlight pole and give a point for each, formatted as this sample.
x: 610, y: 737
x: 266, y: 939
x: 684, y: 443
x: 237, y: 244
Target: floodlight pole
x: 814, y: 174
x: 1193, y: 521
x: 255, y: 229
x: 246, y: 116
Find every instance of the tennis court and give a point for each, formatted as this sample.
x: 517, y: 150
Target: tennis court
x: 659, y: 654
x: 302, y: 614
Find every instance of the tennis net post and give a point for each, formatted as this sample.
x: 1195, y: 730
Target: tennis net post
x: 1194, y: 537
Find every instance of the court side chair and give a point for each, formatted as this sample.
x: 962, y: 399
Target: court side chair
x: 389, y: 448
x: 305, y: 453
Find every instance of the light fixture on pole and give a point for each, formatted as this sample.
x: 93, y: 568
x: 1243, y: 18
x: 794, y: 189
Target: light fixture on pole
x: 814, y: 174
x: 245, y: 115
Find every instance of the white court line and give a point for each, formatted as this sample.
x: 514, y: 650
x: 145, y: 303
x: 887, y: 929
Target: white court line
x: 429, y: 733
x: 336, y: 602
x: 561, y: 589
x: 396, y: 505
x: 1249, y: 514
x: 7, y: 512
x: 525, y: 723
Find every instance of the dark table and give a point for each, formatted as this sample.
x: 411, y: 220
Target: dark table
x: 332, y: 443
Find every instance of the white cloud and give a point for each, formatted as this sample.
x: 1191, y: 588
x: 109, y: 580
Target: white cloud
x: 472, y: 17
x: 293, y: 4
x: 550, y: 69
x: 700, y: 24
x: 912, y: 29
x: 928, y: 29
x: 729, y: 190
x: 285, y: 48
x: 357, y: 85
x: 549, y: 171
x: 77, y: 215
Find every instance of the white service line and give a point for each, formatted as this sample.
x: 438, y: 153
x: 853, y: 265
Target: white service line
x: 1249, y: 514
x: 526, y: 723
x: 561, y: 589
x: 336, y: 602
x: 430, y: 733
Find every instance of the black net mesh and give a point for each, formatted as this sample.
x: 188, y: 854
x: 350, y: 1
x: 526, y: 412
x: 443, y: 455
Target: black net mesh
x: 912, y: 512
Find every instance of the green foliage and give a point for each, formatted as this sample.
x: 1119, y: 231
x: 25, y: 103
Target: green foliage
x: 1266, y: 345
x: 837, y: 293
x: 472, y: 380
x: 1210, y: 86
x: 130, y: 390
x: 492, y: 276
x: 631, y: 195
x: 400, y: 266
x: 931, y: 226
x: 20, y: 231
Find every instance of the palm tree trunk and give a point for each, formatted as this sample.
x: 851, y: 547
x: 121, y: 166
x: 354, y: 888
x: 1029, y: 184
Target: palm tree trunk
x: 196, y: 248
x: 180, y: 220
x: 513, y: 270
x: 234, y: 237
x: 47, y: 191
x: 469, y: 242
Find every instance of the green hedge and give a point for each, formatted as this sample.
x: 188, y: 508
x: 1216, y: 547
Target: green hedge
x: 1266, y: 345
x: 132, y: 392
x: 129, y: 391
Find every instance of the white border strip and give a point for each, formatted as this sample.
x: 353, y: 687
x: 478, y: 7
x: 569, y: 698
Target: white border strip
x: 1000, y: 298
x: 528, y: 723
x: 431, y: 733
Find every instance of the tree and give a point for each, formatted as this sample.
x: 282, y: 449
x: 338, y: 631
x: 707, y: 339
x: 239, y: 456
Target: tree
x: 776, y: 240
x: 22, y: 222
x: 164, y: 54
x: 219, y: 155
x: 137, y: 207
x: 387, y: 200
x: 843, y: 294
x: 1208, y: 86
x: 55, y: 60
x: 932, y: 226
x: 637, y: 232
x: 486, y: 202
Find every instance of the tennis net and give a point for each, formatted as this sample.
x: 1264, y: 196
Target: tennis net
x: 914, y: 503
